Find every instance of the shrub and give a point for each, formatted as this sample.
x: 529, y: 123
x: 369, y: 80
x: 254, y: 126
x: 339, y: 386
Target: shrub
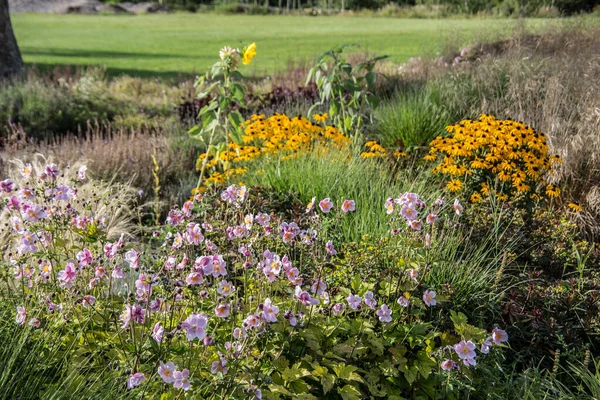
x: 48, y: 106
x: 503, y: 157
x: 575, y: 6
x: 537, y: 78
x: 348, y: 90
x: 43, y: 109
x: 554, y: 322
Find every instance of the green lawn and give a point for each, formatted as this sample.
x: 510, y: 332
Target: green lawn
x: 185, y: 43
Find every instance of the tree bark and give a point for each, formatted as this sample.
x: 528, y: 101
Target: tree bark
x: 11, y: 63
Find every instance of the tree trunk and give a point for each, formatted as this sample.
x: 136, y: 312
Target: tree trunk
x: 11, y: 63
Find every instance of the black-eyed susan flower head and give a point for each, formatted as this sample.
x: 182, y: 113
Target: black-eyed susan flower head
x: 454, y: 185
x: 475, y: 198
x: 320, y: 117
x: 552, y: 191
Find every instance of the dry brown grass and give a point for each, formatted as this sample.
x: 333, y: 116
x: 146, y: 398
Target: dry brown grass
x: 122, y: 154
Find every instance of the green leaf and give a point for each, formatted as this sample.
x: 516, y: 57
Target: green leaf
x: 327, y: 90
x: 318, y: 76
x: 429, y: 386
x: 397, y: 355
x: 299, y: 386
x: 371, y: 78
x: 411, y: 373
x: 276, y: 377
x: 200, y: 80
x: 294, y: 373
x: 373, y: 376
x: 458, y: 318
x: 424, y: 363
x: 349, y: 392
x: 224, y: 102
x: 373, y: 101
x: 305, y: 396
x: 207, y: 91
x: 466, y: 331
x: 388, y: 368
x: 238, y: 91
x: 343, y: 348
x: 346, y: 372
x: 280, y: 390
x: 347, y: 68
x: 208, y: 118
x: 319, y: 371
x: 221, y: 147
x: 216, y: 69
x: 378, y: 58
x: 196, y: 130
x: 378, y: 391
x: 310, y: 76
x: 236, y: 118
x: 281, y: 363
x: 376, y: 344
x: 236, y: 75
x: 236, y: 132
x: 334, y: 108
x: 209, y: 107
x: 312, y: 338
x: 348, y: 123
x: 327, y: 381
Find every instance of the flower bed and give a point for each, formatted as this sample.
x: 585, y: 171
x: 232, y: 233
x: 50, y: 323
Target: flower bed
x: 226, y: 301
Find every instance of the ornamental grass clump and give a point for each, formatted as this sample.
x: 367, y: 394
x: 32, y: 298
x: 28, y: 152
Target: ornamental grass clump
x: 489, y: 156
x: 224, y: 301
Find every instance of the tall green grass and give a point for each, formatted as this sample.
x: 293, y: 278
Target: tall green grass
x: 588, y: 379
x: 28, y: 361
x: 411, y: 118
x: 45, y: 363
x: 339, y: 176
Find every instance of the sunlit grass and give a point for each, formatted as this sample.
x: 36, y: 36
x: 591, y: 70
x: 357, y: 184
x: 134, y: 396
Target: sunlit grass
x: 188, y: 43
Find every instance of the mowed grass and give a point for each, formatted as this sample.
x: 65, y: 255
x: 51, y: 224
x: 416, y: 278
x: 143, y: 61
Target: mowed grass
x: 169, y: 45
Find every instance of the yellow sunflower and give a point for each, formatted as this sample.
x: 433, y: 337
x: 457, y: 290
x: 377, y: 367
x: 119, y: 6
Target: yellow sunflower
x: 248, y: 53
